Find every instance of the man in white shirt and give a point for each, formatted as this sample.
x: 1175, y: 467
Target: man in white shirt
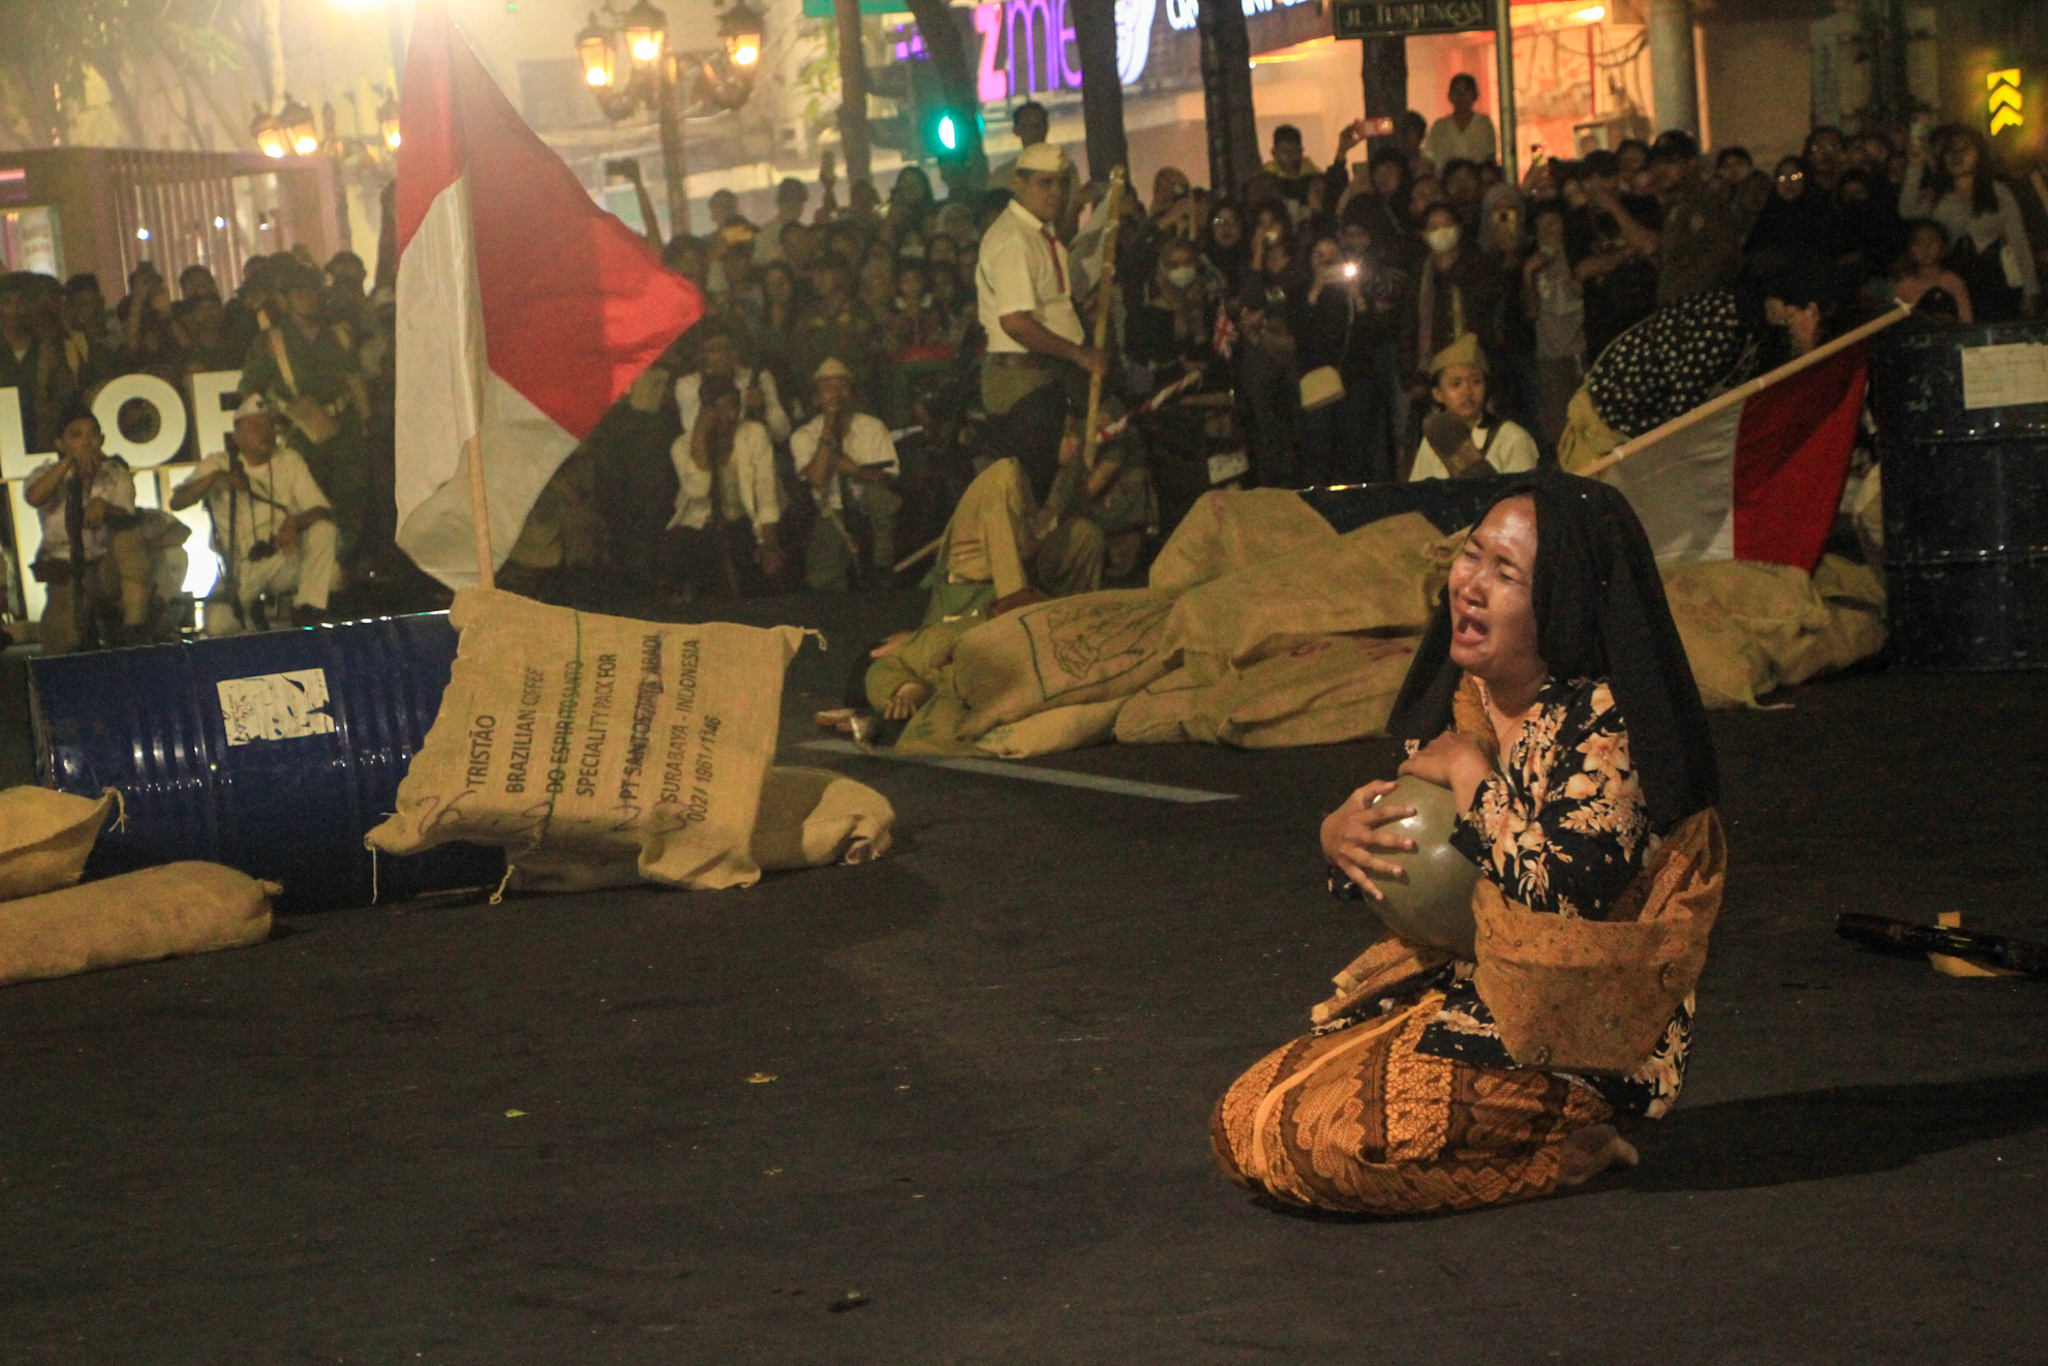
x: 1023, y: 284
x: 1460, y: 440
x: 272, y: 525
x: 98, y: 581
x: 728, y: 512
x: 847, y: 458
x: 759, y: 400
x: 1462, y: 134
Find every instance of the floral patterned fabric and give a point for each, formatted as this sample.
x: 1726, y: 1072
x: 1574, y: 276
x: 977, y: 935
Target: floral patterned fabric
x: 1560, y: 826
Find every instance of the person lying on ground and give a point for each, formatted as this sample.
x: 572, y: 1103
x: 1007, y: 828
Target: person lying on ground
x: 1461, y: 439
x: 1552, y: 696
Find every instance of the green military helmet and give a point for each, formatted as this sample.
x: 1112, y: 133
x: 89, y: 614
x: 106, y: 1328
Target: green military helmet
x: 1431, y: 903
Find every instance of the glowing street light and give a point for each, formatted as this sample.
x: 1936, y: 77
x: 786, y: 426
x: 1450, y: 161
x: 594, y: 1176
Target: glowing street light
x: 387, y: 121
x: 269, y: 137
x: 594, y: 46
x: 295, y: 122
x: 646, y: 33
x: 742, y: 28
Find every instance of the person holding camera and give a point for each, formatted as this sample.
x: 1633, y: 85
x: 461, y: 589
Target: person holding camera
x: 93, y: 561
x: 272, y: 525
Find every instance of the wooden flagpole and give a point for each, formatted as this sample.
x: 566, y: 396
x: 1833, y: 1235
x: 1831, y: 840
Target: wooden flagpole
x: 1105, y: 282
x: 479, y: 511
x: 1741, y: 392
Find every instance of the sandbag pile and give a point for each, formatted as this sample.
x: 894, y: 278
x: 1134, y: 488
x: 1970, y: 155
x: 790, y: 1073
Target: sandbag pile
x: 1262, y: 627
x: 52, y: 927
x: 600, y: 751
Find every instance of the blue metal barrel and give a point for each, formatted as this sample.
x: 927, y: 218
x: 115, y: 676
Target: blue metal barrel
x: 1965, y: 504
x: 272, y: 753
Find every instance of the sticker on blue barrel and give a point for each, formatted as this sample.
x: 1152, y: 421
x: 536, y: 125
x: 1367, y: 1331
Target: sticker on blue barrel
x: 286, y: 706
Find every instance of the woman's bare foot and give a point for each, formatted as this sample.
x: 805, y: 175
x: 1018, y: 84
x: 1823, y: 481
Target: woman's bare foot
x: 1593, y: 1150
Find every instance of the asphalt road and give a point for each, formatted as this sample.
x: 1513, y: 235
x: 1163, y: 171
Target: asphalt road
x: 970, y: 1083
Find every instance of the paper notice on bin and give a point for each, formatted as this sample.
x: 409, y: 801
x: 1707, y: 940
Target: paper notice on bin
x: 2005, y: 376
x: 284, y: 706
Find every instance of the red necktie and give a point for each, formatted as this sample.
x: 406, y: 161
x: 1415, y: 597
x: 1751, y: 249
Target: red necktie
x: 1052, y: 245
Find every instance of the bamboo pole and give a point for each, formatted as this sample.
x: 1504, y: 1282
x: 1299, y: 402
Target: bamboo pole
x: 479, y: 512
x: 1114, y: 207
x: 1742, y: 392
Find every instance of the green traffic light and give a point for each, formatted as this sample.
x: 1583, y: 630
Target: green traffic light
x: 949, y: 136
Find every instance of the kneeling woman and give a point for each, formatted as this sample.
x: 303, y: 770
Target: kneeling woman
x: 1552, y: 696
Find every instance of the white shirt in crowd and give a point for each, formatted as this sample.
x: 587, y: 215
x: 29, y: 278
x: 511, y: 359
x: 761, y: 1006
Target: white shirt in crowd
x: 1446, y: 142
x: 773, y: 413
x: 867, y: 443
x: 1513, y: 452
x: 1022, y: 268
x: 112, y: 482
x: 279, y: 488
x: 746, y: 486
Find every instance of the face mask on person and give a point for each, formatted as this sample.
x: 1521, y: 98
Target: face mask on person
x: 1442, y: 240
x: 1180, y: 277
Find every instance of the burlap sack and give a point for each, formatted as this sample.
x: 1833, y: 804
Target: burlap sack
x: 1321, y: 691
x: 177, y: 909
x: 1086, y: 648
x: 1055, y: 731
x: 1750, y: 628
x: 813, y: 817
x: 1854, y: 598
x: 1228, y: 530
x: 46, y: 837
x: 1573, y: 995
x: 589, y: 739
x: 1384, y: 577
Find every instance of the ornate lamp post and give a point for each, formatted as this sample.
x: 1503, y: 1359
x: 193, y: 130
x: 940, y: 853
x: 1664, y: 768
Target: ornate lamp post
x: 654, y: 77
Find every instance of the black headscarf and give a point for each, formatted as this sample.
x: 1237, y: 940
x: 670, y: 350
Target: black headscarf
x: 1600, y: 614
x: 1032, y: 432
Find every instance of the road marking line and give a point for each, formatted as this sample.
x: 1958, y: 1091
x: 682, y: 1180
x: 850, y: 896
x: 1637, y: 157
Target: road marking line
x: 1030, y: 773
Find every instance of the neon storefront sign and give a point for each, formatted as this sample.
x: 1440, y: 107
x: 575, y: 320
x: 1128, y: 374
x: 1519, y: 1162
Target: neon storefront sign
x: 1027, y: 46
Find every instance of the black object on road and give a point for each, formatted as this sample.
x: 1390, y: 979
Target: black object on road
x: 1904, y: 936
x: 1965, y: 500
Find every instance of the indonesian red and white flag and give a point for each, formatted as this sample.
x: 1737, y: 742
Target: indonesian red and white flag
x: 1759, y: 480
x: 524, y: 310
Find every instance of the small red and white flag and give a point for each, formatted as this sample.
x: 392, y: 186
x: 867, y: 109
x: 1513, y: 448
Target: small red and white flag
x: 1759, y: 480
x: 524, y: 310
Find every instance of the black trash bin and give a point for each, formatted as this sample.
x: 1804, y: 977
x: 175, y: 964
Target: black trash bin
x: 1965, y: 504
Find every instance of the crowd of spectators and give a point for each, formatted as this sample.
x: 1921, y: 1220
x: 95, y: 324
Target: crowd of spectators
x: 1405, y: 314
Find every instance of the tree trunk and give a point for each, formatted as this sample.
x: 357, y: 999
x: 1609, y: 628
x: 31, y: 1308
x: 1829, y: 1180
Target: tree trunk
x: 1102, y: 90
x: 1227, y: 95
x: 853, y: 92
x: 1384, y: 70
x: 956, y: 77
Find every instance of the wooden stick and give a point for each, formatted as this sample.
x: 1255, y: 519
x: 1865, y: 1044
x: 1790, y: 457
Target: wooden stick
x: 1114, y: 206
x: 924, y: 553
x: 1722, y: 402
x: 479, y: 512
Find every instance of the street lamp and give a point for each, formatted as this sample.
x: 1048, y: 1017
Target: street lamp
x: 594, y: 46
x: 387, y: 121
x: 295, y: 122
x: 269, y: 137
x: 742, y: 29
x: 646, y: 32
